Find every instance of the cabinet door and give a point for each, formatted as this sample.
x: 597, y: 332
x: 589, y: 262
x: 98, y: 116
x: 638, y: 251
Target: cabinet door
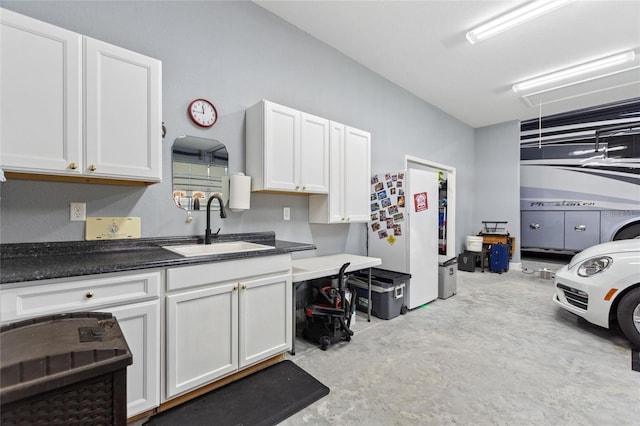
x: 542, y: 229
x: 582, y: 230
x: 123, y: 113
x: 337, y: 163
x: 140, y: 324
x: 40, y: 96
x: 265, y: 318
x: 202, y: 336
x: 282, y: 147
x: 357, y: 175
x: 313, y: 165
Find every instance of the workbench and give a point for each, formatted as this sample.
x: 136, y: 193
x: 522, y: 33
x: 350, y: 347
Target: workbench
x: 310, y: 268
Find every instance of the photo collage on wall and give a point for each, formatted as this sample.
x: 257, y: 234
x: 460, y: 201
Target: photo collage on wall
x: 387, y: 205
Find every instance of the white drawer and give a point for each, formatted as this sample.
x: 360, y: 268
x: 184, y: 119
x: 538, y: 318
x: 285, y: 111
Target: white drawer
x: 55, y: 296
x: 221, y: 272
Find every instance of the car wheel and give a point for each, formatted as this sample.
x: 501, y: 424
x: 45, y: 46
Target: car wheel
x: 629, y: 316
x: 628, y: 233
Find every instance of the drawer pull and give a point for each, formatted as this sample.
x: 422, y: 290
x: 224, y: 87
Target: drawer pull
x: 88, y: 295
x: 534, y: 226
x: 580, y: 228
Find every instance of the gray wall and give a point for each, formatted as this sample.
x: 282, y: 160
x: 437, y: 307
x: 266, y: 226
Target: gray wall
x: 498, y: 178
x: 236, y: 53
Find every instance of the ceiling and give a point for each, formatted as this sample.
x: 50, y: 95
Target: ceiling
x: 421, y: 47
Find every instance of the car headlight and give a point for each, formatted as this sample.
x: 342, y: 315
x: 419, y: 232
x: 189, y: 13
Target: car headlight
x: 593, y: 266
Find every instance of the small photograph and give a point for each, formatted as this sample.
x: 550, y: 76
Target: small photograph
x: 394, y: 178
x: 400, y: 200
x: 374, y: 179
x: 400, y: 176
x: 382, y: 234
x: 386, y: 202
x: 387, y: 176
x: 389, y: 223
x: 389, y: 184
x: 374, y: 197
x: 393, y: 209
x: 392, y: 191
x: 382, y: 195
x: 375, y: 207
x: 379, y: 186
x: 397, y: 230
x: 398, y: 217
x: 374, y: 217
x: 399, y: 184
x: 400, y: 191
x: 375, y: 226
x: 383, y: 215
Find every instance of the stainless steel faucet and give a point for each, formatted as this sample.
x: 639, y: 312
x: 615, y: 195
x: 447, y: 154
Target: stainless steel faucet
x: 207, y: 232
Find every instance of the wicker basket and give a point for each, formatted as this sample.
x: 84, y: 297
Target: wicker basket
x: 67, y: 369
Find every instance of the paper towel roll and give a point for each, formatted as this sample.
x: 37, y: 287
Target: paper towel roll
x: 239, y: 192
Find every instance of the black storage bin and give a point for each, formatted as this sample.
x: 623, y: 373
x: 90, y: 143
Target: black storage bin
x: 66, y: 369
x: 466, y: 262
x: 388, y: 289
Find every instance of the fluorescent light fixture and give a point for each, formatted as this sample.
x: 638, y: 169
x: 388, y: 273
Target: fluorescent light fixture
x: 578, y: 70
x: 514, y: 18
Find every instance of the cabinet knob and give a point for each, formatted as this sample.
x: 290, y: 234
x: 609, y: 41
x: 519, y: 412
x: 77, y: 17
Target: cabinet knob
x: 304, y: 187
x: 73, y: 166
x: 534, y: 226
x: 235, y: 288
x: 92, y: 168
x: 348, y: 219
x: 297, y: 187
x: 88, y: 295
x: 244, y: 286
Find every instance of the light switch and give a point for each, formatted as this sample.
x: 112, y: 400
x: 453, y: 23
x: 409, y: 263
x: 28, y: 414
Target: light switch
x: 286, y: 213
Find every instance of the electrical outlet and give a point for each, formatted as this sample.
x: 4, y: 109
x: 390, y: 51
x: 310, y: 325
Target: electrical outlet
x: 77, y: 212
x: 286, y: 213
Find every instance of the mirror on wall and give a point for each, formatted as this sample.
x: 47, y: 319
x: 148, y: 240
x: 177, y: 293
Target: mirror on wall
x: 200, y: 168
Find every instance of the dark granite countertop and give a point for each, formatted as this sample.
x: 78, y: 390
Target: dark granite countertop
x: 40, y: 261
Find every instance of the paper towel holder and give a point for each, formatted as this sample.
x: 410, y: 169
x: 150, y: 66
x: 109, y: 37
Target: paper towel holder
x: 239, y: 192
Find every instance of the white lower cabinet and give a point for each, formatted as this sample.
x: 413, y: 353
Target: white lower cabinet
x: 132, y: 298
x: 225, y: 324
x: 140, y: 324
x: 264, y: 326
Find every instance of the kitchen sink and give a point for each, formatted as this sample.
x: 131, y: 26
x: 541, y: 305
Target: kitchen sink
x: 192, y: 250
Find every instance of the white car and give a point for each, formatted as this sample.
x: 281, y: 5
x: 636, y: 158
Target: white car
x: 602, y: 285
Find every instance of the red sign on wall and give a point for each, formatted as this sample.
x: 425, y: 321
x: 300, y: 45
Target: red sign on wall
x: 420, y: 201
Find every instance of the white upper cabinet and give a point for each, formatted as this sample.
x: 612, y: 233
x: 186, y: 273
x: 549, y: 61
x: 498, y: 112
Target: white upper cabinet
x: 45, y: 112
x: 40, y: 96
x: 287, y: 150
x: 350, y: 173
x: 123, y: 113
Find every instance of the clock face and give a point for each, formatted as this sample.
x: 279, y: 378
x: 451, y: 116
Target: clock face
x: 203, y: 113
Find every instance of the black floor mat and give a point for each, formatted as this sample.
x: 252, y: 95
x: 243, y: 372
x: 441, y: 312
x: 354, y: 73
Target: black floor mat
x: 635, y: 360
x: 266, y: 397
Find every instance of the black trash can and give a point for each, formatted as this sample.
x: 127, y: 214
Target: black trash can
x: 66, y: 369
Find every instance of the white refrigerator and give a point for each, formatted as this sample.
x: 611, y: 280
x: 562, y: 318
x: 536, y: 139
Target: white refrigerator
x: 403, y: 230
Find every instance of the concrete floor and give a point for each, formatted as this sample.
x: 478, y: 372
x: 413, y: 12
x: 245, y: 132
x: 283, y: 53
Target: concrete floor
x: 499, y: 352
